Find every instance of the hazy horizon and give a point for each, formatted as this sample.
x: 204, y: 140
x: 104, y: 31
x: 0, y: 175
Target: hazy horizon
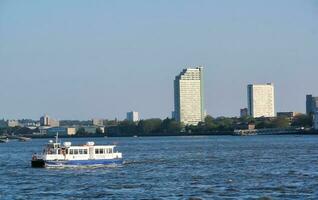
x: 101, y: 59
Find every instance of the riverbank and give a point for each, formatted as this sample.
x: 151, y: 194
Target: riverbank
x: 215, y: 133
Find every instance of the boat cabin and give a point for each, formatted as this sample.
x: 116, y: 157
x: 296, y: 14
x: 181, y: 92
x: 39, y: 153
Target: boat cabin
x: 83, y: 152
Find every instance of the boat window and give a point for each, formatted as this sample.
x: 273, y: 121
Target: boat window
x: 101, y: 151
x: 85, y: 151
x: 66, y: 151
x: 71, y: 151
x: 96, y: 151
x: 75, y: 151
x: 110, y: 150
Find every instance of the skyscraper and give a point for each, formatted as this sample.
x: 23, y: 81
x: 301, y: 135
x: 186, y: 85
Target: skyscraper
x: 188, y: 96
x: 244, y: 112
x: 316, y: 121
x: 311, y: 104
x: 261, y: 102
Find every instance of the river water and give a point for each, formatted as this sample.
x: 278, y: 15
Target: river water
x: 203, y: 167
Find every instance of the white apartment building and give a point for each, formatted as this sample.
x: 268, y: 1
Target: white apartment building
x: 188, y: 96
x: 261, y: 100
x: 132, y: 116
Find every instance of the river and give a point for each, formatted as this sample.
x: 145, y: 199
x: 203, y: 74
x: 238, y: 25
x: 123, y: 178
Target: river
x: 202, y: 167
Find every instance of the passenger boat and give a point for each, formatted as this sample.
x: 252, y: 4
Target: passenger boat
x: 57, y: 155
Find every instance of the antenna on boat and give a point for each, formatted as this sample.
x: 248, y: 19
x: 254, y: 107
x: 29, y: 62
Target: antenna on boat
x: 57, y: 137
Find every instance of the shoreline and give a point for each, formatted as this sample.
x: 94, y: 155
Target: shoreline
x: 304, y: 133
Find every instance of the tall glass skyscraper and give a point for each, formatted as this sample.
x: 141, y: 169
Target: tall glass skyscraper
x: 188, y: 96
x: 311, y: 104
x: 261, y: 100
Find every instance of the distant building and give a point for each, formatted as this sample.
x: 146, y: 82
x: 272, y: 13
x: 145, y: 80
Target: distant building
x: 29, y: 123
x: 61, y: 131
x: 243, y: 112
x: 311, y: 104
x: 316, y: 121
x: 47, y: 121
x: 13, y: 123
x: 3, y: 123
x: 172, y: 115
x: 133, y: 116
x: 42, y: 130
x: 261, y: 101
x: 188, y: 96
x: 288, y: 114
x: 93, y: 129
x: 97, y: 122
x: 245, y: 126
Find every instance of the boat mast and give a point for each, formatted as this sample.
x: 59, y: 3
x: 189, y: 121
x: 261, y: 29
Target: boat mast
x: 57, y: 137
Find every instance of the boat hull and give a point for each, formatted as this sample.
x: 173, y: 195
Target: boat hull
x: 38, y: 163
x: 87, y: 163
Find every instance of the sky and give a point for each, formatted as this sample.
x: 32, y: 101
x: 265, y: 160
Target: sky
x: 80, y: 59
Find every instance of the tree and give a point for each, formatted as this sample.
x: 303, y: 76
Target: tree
x: 149, y: 126
x: 170, y: 126
x: 281, y: 122
x: 302, y: 121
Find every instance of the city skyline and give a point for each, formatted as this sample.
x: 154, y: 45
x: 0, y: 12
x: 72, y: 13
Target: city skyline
x: 122, y: 56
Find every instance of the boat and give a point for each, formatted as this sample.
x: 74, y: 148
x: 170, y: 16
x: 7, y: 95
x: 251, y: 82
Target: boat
x: 5, y: 140
x: 24, y: 139
x: 56, y: 154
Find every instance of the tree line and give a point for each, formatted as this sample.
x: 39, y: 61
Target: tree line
x: 217, y: 125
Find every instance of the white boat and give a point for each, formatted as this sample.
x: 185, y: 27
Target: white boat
x: 57, y: 155
x: 6, y: 140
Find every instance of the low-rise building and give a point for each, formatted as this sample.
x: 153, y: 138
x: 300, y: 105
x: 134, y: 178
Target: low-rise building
x: 13, y: 123
x: 97, y: 122
x: 93, y: 129
x: 61, y: 131
x: 245, y: 126
x: 42, y: 130
x: 288, y: 114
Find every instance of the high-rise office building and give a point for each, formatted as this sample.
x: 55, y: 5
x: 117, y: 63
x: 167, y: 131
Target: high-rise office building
x: 188, y: 96
x: 311, y: 104
x: 243, y: 112
x: 316, y: 121
x: 132, y: 116
x: 261, y: 100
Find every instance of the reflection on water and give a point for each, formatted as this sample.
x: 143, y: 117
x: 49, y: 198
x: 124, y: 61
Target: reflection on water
x: 260, y: 167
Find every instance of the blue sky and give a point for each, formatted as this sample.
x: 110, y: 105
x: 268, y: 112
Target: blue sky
x: 82, y: 59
